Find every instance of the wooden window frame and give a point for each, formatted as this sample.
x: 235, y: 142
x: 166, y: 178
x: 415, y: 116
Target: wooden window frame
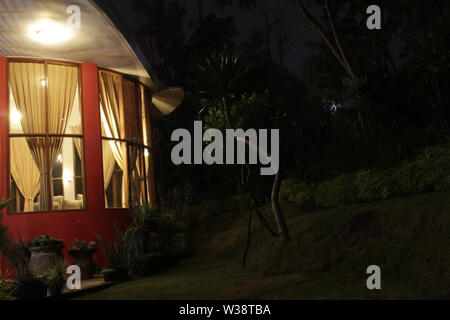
x: 129, y: 143
x: 47, y: 135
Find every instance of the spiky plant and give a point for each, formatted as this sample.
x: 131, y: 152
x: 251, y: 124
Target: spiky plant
x: 55, y: 277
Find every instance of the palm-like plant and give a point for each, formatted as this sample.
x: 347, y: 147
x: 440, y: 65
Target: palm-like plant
x: 56, y: 277
x: 219, y: 75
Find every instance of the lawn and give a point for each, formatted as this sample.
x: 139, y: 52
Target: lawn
x: 203, y: 278
x: 326, y: 258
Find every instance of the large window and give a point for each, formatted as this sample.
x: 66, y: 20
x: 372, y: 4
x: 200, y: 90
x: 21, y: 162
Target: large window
x: 46, y: 138
x: 126, y: 135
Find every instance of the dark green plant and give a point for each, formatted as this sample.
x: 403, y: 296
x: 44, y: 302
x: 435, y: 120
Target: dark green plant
x: 428, y: 171
x: 26, y: 286
x: 117, y: 251
x: 81, y: 246
x: 19, y: 257
x: 55, y: 277
x: 137, y: 234
x: 46, y: 240
x: 4, y: 235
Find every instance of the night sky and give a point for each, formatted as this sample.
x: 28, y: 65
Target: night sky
x: 247, y: 21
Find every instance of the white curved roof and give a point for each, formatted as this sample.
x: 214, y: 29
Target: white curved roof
x: 98, y: 41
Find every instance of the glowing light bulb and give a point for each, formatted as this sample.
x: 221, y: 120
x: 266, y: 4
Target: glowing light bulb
x: 146, y: 153
x: 43, y: 82
x: 59, y: 158
x: 49, y: 32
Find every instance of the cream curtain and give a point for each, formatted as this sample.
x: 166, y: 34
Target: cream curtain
x: 137, y: 197
x: 28, y: 84
x: 113, y: 123
x: 109, y: 163
x: 24, y: 171
x: 77, y: 141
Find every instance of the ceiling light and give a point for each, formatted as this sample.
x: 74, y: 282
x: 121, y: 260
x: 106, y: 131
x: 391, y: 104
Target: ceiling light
x: 49, y: 32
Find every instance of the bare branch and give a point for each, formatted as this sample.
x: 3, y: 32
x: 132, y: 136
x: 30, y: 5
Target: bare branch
x: 338, y: 43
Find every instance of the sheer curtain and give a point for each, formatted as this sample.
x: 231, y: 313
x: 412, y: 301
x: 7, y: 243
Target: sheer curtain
x: 135, y: 176
x: 77, y: 142
x: 109, y: 163
x: 24, y: 171
x: 113, y: 123
x: 29, y: 84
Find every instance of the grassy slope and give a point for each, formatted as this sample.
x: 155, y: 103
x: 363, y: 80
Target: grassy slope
x: 408, y: 238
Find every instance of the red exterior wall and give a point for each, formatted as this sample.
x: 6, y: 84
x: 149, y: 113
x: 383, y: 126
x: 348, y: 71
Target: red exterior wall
x: 69, y: 225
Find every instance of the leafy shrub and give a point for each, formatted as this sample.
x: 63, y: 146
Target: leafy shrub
x: 46, y: 240
x: 429, y: 171
x: 117, y: 251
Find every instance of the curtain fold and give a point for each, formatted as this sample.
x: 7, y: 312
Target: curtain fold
x: 109, y: 163
x: 135, y: 176
x: 29, y: 83
x: 24, y: 171
x: 77, y: 141
x: 113, y: 122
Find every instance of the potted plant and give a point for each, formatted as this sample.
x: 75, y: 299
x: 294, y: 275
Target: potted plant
x: 82, y: 257
x: 44, y: 251
x: 117, y: 255
x: 55, y: 277
x: 26, y: 286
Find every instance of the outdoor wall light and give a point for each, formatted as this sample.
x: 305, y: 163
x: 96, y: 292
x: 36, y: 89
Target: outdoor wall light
x: 49, y: 32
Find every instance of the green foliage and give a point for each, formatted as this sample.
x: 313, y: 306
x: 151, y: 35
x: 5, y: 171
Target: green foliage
x: 19, y: 257
x: 249, y: 110
x: 46, y: 240
x: 4, y: 235
x: 81, y: 246
x: 408, y: 237
x: 55, y: 277
x: 168, y: 238
x: 429, y: 171
x: 218, y: 74
x: 142, y: 216
x: 116, y: 252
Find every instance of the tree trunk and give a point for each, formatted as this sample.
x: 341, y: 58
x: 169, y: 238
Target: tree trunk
x: 276, y: 208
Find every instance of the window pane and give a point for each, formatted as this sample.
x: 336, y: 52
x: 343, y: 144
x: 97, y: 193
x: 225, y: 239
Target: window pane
x: 71, y: 181
x: 27, y: 97
x: 151, y: 194
x: 115, y: 174
x: 137, y: 178
x: 25, y: 161
x: 132, y: 115
x: 58, y: 189
x: 62, y: 92
x: 111, y: 105
x: 145, y: 116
